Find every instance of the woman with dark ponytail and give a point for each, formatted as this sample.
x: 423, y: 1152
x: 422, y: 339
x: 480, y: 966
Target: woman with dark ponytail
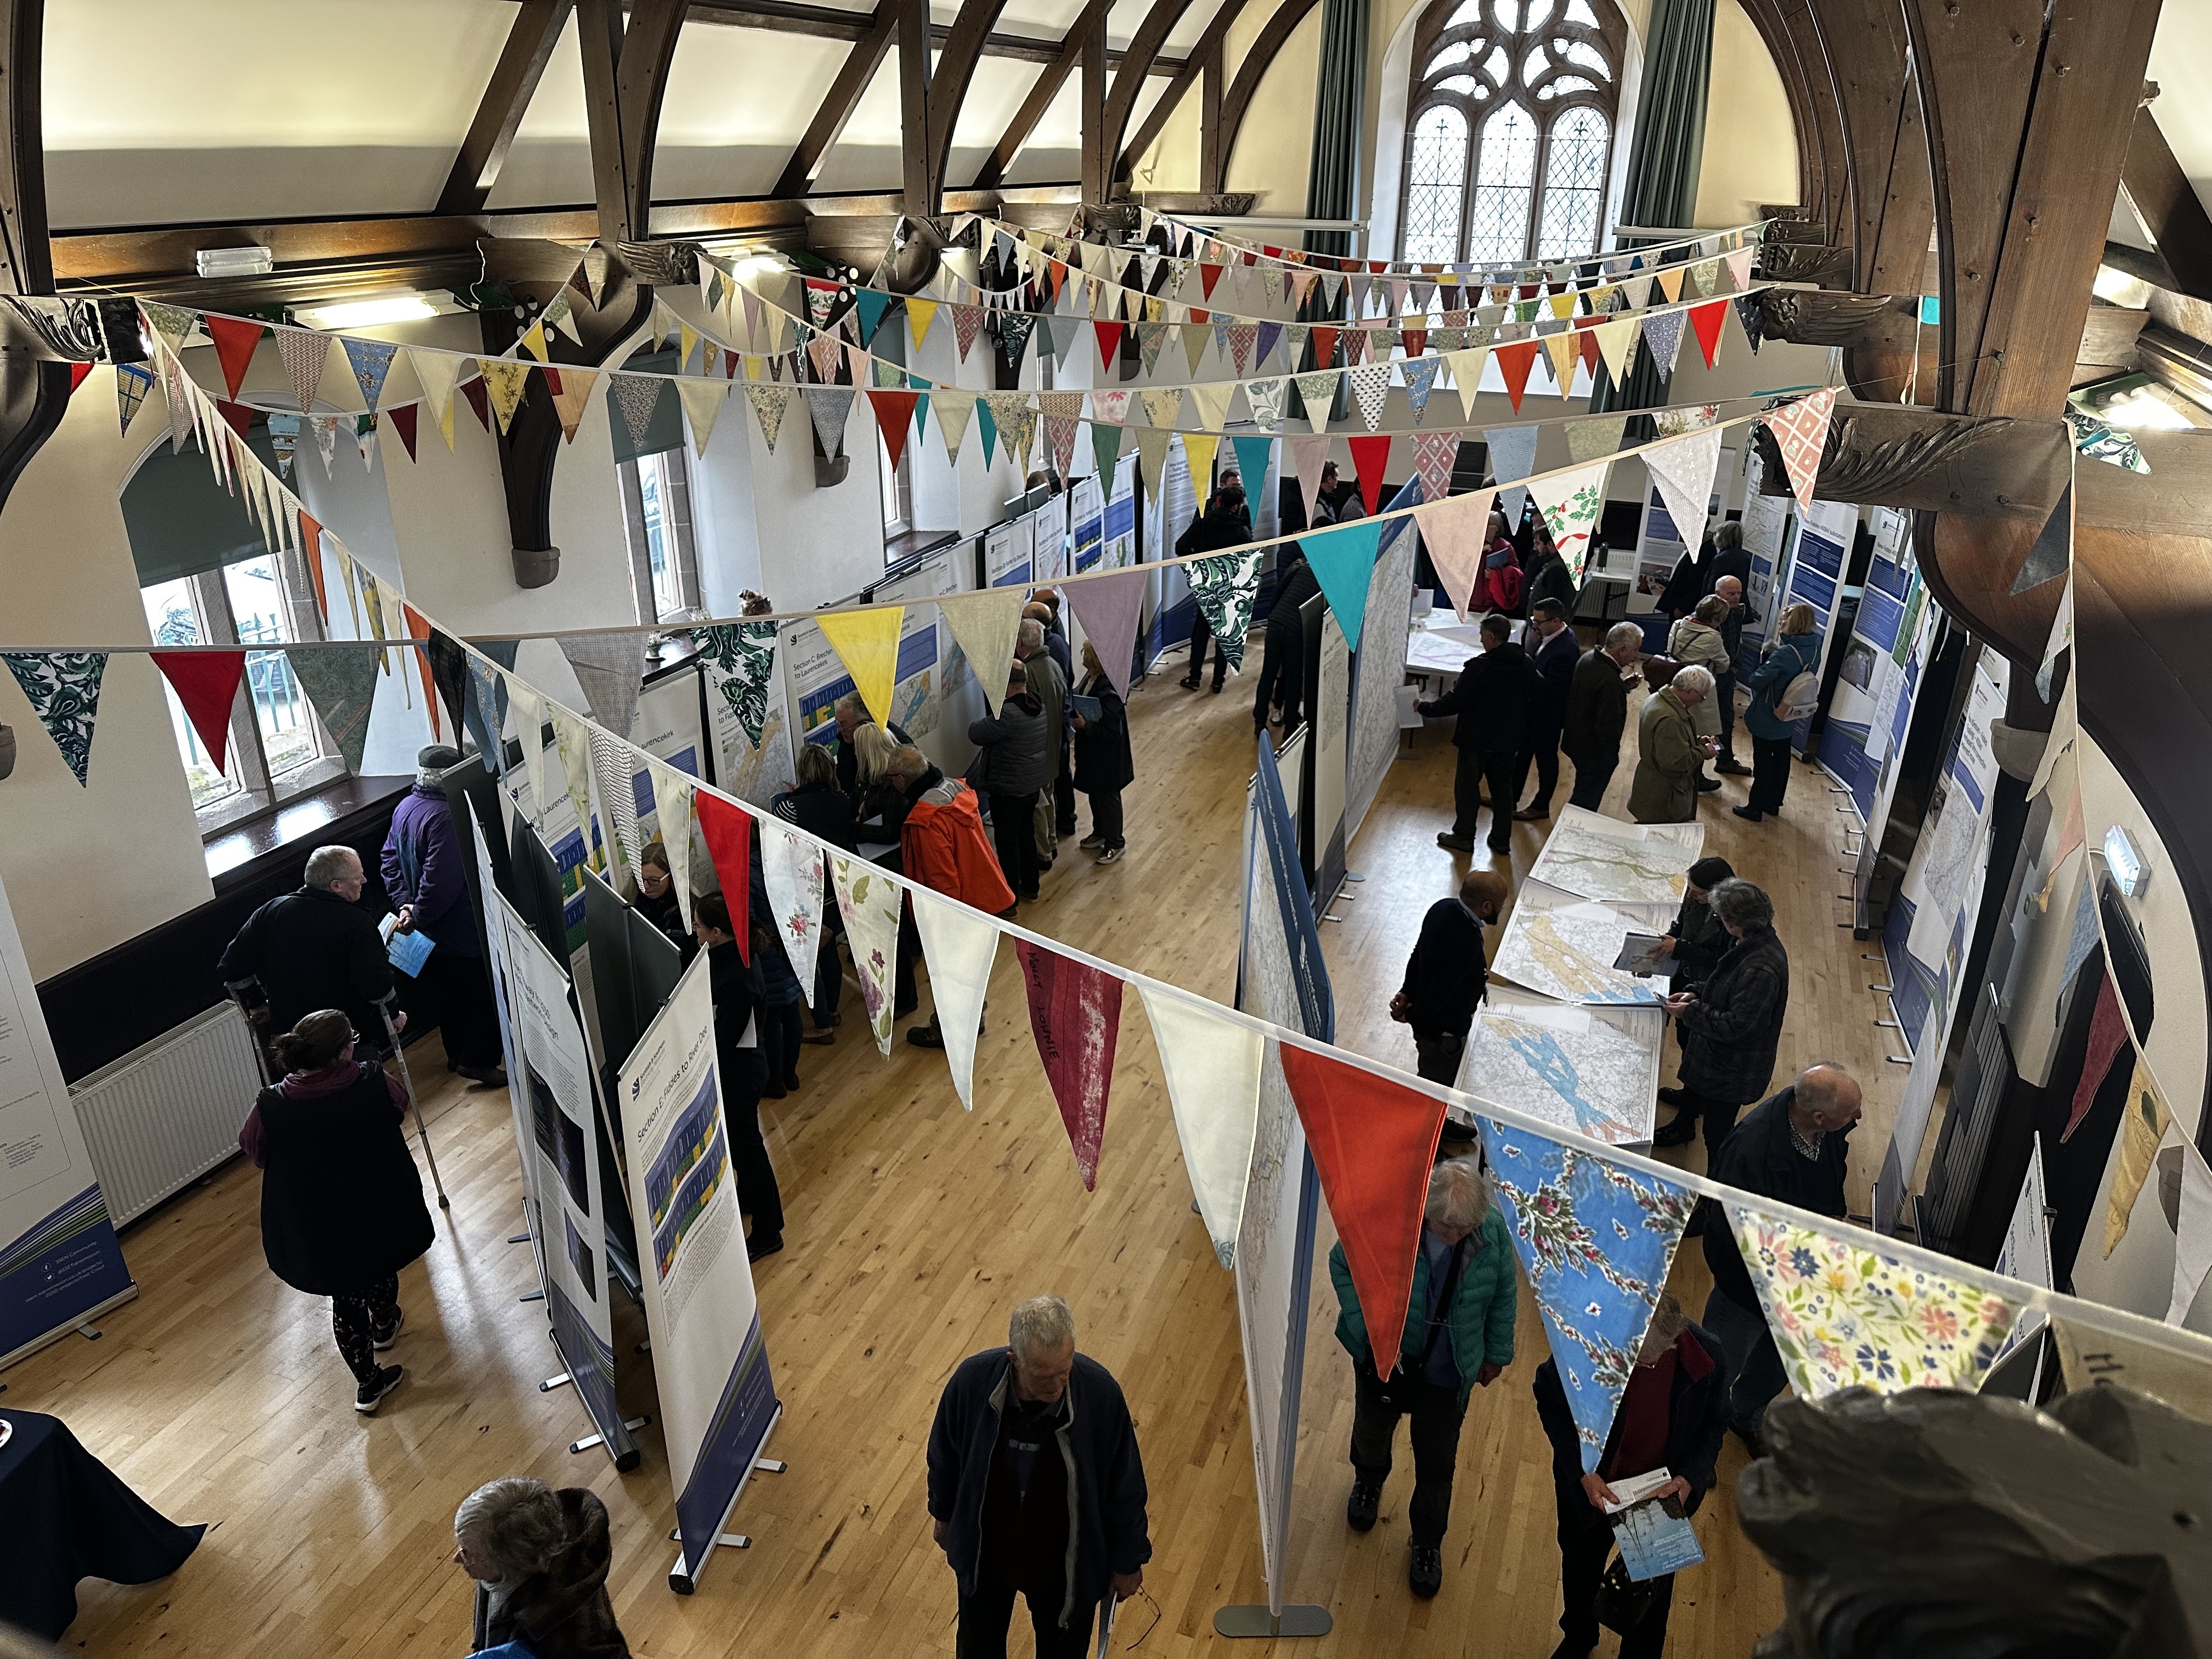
x: 341, y: 1208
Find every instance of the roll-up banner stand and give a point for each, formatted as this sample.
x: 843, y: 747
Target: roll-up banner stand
x: 718, y: 1403
x: 60, y: 1266
x: 1819, y: 560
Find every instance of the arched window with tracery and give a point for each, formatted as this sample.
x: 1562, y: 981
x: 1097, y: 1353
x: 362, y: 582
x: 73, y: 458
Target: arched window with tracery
x: 1511, y: 140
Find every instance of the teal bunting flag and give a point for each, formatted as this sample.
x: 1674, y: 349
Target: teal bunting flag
x: 873, y: 304
x: 1343, y: 560
x: 1252, y: 457
x: 990, y: 429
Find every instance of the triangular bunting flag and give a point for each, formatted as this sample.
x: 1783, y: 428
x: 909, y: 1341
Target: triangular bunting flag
x: 1456, y: 533
x: 894, y: 413
x: 1224, y: 585
x: 304, y: 353
x: 1266, y: 399
x: 1571, y: 504
x: 611, y: 669
x: 2054, y: 547
x: 1343, y: 559
x: 1253, y: 455
x: 1435, y: 454
x: 1370, y: 390
x: 1317, y: 392
x: 869, y: 900
x: 672, y: 809
x: 340, y: 681
x: 703, y: 403
x: 958, y: 946
x: 1212, y: 1067
x: 572, y: 743
x: 1075, y: 1015
x: 866, y: 642
x: 402, y: 421
x: 636, y: 395
x: 1683, y: 471
x: 985, y: 625
x: 132, y: 382
x: 1590, y: 440
x: 372, y: 362
x: 768, y: 403
x: 235, y: 338
x: 1662, y: 338
x: 831, y: 406
x: 1152, y: 444
x: 1706, y: 320
x: 1308, y: 455
x: 1211, y: 399
x: 954, y: 407
x: 1197, y: 453
x: 728, y: 833
x: 919, y: 314
x: 1108, y: 608
x: 1420, y: 380
x: 572, y: 401
x: 1514, y: 361
x: 506, y: 379
x: 1800, y: 432
x: 792, y: 876
x: 62, y: 688
x: 1370, y: 456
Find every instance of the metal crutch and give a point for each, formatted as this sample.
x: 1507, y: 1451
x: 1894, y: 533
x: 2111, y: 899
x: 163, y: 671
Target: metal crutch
x: 256, y: 1025
x: 407, y: 1082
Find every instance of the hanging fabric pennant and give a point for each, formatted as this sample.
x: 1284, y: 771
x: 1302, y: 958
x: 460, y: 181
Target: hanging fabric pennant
x: 1683, y: 470
x: 1211, y: 1068
x: 1420, y: 380
x: 486, y: 709
x: 438, y: 374
x: 415, y: 626
x: 1662, y: 338
x: 959, y: 946
x: 1370, y: 390
x: 894, y: 412
x: 1706, y: 321
x: 831, y: 406
x: 1343, y: 559
x: 1596, y: 1242
x: 869, y: 900
x: 1266, y: 399
x: 1800, y: 432
x: 305, y: 353
x: 673, y: 794
x: 1225, y: 587
x: 234, y: 339
x: 954, y: 407
x: 1317, y: 392
x: 740, y: 662
x: 1108, y: 607
x: 637, y: 397
x: 572, y: 400
x: 1514, y: 361
x: 702, y: 403
x: 967, y: 320
x: 768, y: 403
x: 1253, y: 455
x: 372, y: 361
x: 728, y: 833
x: 1571, y: 504
x: 873, y: 303
x: 614, y: 766
x: 1846, y: 1316
x: 62, y: 688
x: 1373, y: 1143
x: 2144, y: 1120
x: 1163, y: 406
x: 1566, y: 350
x: 1152, y: 444
x: 340, y: 682
x: 1466, y: 367
x: 1370, y: 457
x: 1075, y: 1015
x: 611, y: 669
x: 1199, y: 449
x: 1457, y: 535
x: 1589, y: 440
x: 1108, y: 335
x: 866, y: 642
x: 1016, y: 422
x: 1307, y: 458
x: 1435, y: 454
x: 132, y: 382
x: 173, y: 324
x: 572, y: 743
x: 1243, y: 337
x: 206, y: 683
x: 1105, y: 451
x: 919, y: 314
x: 1211, y: 399
x: 1151, y: 337
x: 792, y: 875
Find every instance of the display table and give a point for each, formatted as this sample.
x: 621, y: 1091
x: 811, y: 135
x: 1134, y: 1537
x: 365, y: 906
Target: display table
x: 65, y: 1516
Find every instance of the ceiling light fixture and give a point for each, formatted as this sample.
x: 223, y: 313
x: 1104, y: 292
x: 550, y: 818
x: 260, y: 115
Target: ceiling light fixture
x: 252, y: 260
x: 366, y: 314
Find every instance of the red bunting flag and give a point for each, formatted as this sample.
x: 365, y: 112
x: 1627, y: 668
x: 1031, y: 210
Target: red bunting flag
x: 1514, y: 361
x: 418, y: 626
x: 234, y: 339
x: 473, y: 390
x: 1706, y: 320
x: 1588, y: 326
x: 894, y: 413
x: 1416, y: 340
x: 401, y: 417
x: 1324, y: 348
x: 78, y: 372
x: 1370, y: 455
x: 1075, y: 1014
x: 206, y: 683
x: 1207, y: 277
x: 1110, y: 343
x: 1373, y: 1142
x: 239, y: 416
x: 728, y: 833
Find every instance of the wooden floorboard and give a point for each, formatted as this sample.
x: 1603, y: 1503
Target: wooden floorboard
x: 913, y: 1226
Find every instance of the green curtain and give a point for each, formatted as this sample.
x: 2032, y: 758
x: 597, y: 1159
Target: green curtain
x: 1340, y: 118
x: 1664, y: 154
x: 181, y: 522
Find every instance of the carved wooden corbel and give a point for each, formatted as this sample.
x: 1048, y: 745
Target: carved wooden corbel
x: 1805, y: 262
x: 1817, y: 316
x: 1917, y: 459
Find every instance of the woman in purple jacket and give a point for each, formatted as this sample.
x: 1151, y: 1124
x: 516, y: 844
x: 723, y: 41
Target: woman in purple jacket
x: 424, y: 877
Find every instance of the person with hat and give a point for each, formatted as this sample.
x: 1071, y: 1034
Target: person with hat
x: 424, y: 878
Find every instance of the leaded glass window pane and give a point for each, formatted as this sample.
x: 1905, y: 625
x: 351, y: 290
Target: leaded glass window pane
x: 1505, y: 181
x: 1436, y: 185
x: 1574, y: 184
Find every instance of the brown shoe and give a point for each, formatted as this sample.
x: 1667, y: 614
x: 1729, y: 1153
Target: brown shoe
x: 1530, y: 815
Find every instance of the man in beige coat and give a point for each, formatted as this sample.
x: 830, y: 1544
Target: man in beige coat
x: 1669, y: 751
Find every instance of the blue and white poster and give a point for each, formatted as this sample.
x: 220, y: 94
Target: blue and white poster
x: 1815, y: 576
x: 59, y: 1262
x: 1856, y: 734
x: 1766, y: 526
x: 718, y: 1403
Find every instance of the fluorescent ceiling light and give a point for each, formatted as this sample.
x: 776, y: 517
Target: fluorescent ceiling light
x: 365, y: 313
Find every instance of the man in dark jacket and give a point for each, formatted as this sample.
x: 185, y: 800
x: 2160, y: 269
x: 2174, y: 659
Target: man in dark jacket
x: 1730, y: 590
x: 1494, y: 698
x: 1597, y: 712
x: 852, y: 714
x: 738, y: 998
x: 1557, y: 655
x: 1036, y: 1487
x: 1728, y: 557
x: 1285, y: 669
x: 316, y: 949
x: 1226, y: 523
x: 1447, y: 976
x: 540, y: 1558
x: 1016, y: 763
x: 423, y: 878
x: 1697, y: 941
x: 1732, y: 1024
x: 1792, y: 1148
x: 1673, y: 1415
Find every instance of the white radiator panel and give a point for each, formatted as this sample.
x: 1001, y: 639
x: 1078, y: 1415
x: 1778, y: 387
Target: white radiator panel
x: 168, y: 1112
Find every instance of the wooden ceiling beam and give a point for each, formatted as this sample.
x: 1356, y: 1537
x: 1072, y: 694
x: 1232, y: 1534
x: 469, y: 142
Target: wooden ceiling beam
x: 1145, y: 45
x: 1204, y: 59
x: 625, y: 78
x: 834, y: 23
x: 530, y: 42
x: 838, y: 103
x: 2166, y: 204
x: 949, y: 81
x: 1245, y: 85
x: 1042, y: 92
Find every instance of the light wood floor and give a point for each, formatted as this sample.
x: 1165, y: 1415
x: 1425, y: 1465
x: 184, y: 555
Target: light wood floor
x: 914, y: 1227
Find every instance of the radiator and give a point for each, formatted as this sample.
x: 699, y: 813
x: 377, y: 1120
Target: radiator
x: 169, y: 1111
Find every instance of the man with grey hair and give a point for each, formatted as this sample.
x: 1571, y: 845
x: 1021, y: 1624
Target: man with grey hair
x: 1731, y: 591
x: 1597, y: 712
x: 317, y: 948
x: 1670, y: 752
x: 540, y: 1559
x: 851, y: 713
x: 1458, y: 1336
x: 1036, y: 1487
x: 1050, y: 686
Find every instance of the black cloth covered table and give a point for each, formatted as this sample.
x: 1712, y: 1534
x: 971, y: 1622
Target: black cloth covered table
x: 65, y: 1516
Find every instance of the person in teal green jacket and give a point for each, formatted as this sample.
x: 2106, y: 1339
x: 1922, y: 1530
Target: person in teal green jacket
x: 1458, y: 1336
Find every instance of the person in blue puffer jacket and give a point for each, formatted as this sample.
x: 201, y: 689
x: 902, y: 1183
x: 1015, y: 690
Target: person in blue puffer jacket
x: 1797, y: 650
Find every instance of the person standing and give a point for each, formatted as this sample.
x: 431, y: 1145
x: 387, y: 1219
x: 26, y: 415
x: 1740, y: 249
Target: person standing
x: 1036, y: 1488
x: 1062, y: 787
x: 1104, y: 764
x: 1685, y: 583
x: 737, y: 992
x: 540, y: 1559
x: 1226, y: 523
x: 1669, y: 753
x: 1447, y: 976
x: 1556, y: 656
x: 423, y: 878
x: 1493, y: 699
x: 1014, y: 765
x: 341, y: 1208
x: 317, y: 948
x: 943, y: 847
x: 656, y: 899
x: 1597, y: 712
x: 1697, y: 639
x: 1548, y: 577
x: 1282, y: 676
x: 1697, y: 941
x: 1794, y: 652
x: 1458, y: 1337
x: 1793, y: 1148
x: 1730, y: 590
x: 851, y: 714
x: 1673, y: 1416
x: 1497, y: 584
x: 1050, y: 684
x: 1728, y: 557
x: 1731, y: 1024
x: 818, y: 806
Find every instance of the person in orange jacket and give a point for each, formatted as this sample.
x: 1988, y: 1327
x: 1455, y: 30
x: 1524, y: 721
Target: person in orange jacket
x: 944, y: 846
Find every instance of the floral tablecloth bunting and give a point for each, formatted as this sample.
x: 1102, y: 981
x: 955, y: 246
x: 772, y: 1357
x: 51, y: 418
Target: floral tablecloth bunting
x: 870, y: 902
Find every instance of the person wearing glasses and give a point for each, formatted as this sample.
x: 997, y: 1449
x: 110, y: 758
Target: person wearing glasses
x: 341, y: 1208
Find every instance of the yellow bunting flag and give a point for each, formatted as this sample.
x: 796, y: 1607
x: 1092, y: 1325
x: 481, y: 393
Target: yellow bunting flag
x: 1566, y: 349
x: 702, y: 402
x: 919, y: 314
x: 533, y: 341
x: 573, y: 399
x: 506, y: 379
x: 2144, y: 1120
x: 867, y: 642
x: 1198, y: 450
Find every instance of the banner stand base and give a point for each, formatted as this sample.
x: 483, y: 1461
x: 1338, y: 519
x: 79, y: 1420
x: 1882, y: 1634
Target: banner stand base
x: 683, y: 1577
x: 633, y: 1424
x: 1298, y: 1618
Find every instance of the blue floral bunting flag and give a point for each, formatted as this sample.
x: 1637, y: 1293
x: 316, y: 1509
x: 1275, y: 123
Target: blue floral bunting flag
x: 1596, y: 1242
x: 64, y: 689
x: 1420, y: 380
x: 372, y: 361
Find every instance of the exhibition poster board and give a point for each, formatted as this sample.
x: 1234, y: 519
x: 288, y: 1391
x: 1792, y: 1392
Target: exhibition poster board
x: 718, y: 1403
x: 496, y: 913
x: 817, y: 678
x: 1377, y: 672
x: 59, y: 1262
x: 1086, y: 521
x: 1819, y: 557
x: 1332, y: 746
x: 1765, y: 526
x: 1865, y: 698
x: 1659, y: 549
x: 1009, y: 554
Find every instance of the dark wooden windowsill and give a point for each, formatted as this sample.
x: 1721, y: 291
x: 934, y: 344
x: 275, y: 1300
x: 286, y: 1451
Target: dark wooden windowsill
x: 299, y: 819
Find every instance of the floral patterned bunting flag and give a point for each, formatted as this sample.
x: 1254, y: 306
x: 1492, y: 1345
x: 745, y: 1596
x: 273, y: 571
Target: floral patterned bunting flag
x: 768, y: 404
x: 372, y: 362
x: 1662, y: 338
x: 1597, y: 1242
x: 791, y: 873
x: 64, y: 691
x: 1570, y: 504
x: 740, y: 660
x: 1075, y: 1015
x: 869, y: 900
x: 1225, y: 586
x: 340, y: 681
x: 1844, y: 1315
x: 305, y: 353
x: 1420, y: 380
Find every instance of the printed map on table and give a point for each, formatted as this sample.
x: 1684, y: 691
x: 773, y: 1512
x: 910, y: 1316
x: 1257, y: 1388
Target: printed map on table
x: 1570, y: 1067
x: 1599, y: 858
x: 1567, y: 950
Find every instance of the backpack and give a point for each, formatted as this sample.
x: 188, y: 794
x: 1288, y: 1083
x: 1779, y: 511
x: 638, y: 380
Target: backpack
x: 1798, y: 699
